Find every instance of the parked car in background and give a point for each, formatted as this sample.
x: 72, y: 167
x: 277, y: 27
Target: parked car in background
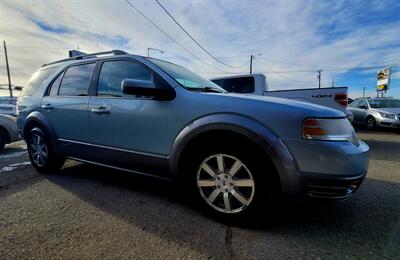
x: 8, y: 106
x: 375, y: 112
x: 8, y: 130
x: 256, y: 84
x: 235, y: 153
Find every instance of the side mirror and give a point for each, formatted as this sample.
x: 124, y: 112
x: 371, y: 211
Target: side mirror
x: 147, y: 89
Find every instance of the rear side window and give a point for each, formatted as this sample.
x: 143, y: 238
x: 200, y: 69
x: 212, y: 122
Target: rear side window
x: 237, y: 85
x: 76, y: 80
x: 56, y: 84
x: 37, y: 79
x: 112, y: 74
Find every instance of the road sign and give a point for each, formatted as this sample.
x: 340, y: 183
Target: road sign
x: 383, y: 79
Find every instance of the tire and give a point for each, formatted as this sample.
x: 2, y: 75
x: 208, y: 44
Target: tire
x: 230, y: 183
x: 3, y: 137
x: 43, y: 157
x: 370, y: 124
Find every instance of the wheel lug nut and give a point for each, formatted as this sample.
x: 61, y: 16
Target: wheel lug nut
x: 226, y: 190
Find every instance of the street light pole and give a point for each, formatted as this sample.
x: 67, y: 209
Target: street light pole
x: 153, y: 49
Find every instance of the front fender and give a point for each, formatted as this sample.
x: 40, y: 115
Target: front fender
x: 255, y: 131
x: 248, y: 127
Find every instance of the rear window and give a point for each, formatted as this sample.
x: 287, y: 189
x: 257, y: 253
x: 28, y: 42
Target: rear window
x: 37, y: 79
x: 237, y: 85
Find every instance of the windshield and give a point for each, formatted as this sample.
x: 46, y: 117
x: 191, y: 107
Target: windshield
x: 186, y: 78
x: 384, y: 103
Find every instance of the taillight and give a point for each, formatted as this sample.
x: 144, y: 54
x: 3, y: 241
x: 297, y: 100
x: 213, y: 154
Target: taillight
x: 342, y: 99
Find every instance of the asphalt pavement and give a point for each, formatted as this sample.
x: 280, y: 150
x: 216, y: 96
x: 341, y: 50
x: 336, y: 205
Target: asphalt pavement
x: 91, y: 212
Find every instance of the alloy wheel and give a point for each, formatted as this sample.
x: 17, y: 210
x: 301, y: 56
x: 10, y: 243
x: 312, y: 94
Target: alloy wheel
x: 370, y: 123
x: 225, y: 183
x: 39, y: 151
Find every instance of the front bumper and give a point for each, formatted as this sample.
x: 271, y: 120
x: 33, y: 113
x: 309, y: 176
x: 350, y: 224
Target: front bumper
x: 333, y: 188
x: 320, y: 169
x: 387, y: 122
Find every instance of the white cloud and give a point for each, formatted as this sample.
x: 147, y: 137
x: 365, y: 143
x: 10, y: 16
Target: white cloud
x: 303, y: 32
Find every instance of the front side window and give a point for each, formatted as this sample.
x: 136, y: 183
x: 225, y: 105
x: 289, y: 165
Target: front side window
x: 363, y: 104
x: 112, y: 74
x: 355, y: 103
x: 76, y: 80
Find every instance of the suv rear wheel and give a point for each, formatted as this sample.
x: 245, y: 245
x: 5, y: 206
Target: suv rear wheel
x: 230, y: 182
x: 42, y: 156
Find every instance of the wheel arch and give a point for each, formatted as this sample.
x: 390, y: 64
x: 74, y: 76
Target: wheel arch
x: 37, y: 119
x: 231, y: 124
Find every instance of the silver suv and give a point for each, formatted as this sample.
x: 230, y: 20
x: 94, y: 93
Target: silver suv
x: 375, y: 112
x: 235, y: 153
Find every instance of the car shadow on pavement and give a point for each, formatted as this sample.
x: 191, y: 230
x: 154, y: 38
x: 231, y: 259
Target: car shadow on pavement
x: 370, y: 220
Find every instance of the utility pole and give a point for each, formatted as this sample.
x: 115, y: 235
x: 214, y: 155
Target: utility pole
x: 8, y: 69
x: 364, y: 92
x: 251, y: 61
x: 319, y: 78
x: 333, y: 83
x: 251, y: 64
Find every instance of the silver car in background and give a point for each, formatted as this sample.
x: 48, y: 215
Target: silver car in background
x: 8, y: 130
x: 375, y: 112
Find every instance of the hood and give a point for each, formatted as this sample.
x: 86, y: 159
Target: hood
x: 315, y: 110
x: 388, y: 110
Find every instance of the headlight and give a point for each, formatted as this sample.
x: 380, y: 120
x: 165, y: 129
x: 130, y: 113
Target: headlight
x: 386, y: 115
x: 329, y: 129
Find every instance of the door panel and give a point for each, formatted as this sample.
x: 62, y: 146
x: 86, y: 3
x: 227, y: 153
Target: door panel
x: 66, y: 106
x: 125, y: 126
x: 133, y: 124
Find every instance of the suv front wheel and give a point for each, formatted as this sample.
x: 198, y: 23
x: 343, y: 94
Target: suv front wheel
x: 231, y: 182
x: 42, y: 155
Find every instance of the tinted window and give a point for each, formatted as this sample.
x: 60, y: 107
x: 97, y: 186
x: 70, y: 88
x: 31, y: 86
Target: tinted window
x: 76, y: 80
x: 363, y: 103
x: 112, y: 74
x: 355, y: 103
x: 37, y: 79
x: 56, y: 84
x: 384, y: 103
x: 237, y: 85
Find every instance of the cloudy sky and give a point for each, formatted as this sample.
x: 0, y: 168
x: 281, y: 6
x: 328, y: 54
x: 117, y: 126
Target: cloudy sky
x: 349, y: 40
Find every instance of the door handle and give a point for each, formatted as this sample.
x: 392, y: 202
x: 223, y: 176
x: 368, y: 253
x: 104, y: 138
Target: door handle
x: 100, y: 110
x: 47, y: 106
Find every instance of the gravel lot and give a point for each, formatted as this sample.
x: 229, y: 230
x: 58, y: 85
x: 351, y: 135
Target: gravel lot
x: 91, y: 212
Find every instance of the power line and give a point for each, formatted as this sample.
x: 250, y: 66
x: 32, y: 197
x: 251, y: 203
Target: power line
x: 278, y: 73
x: 195, y: 41
x: 169, y: 37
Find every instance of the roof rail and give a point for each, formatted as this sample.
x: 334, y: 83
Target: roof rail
x: 87, y: 56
